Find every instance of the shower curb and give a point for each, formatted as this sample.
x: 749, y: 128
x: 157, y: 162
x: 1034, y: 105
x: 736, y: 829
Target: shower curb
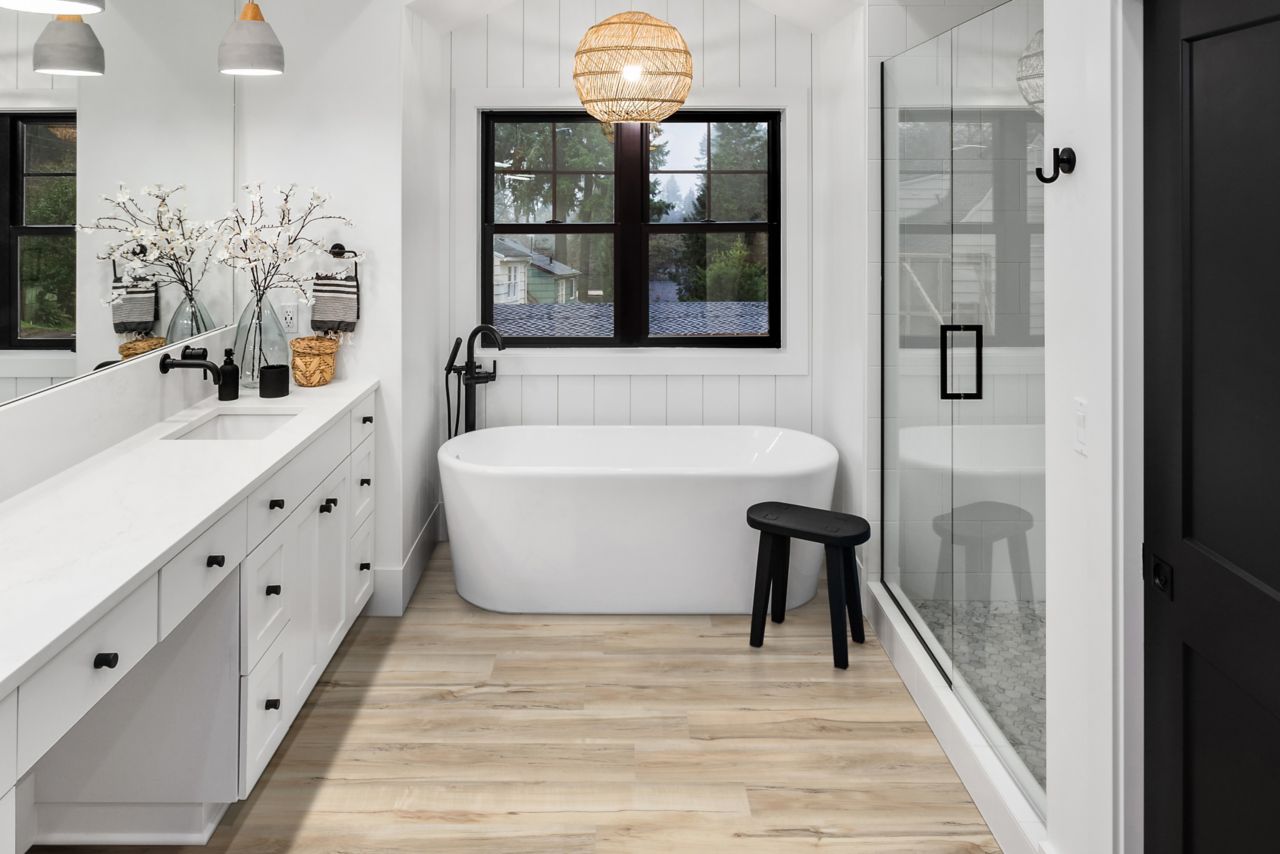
x: 1009, y: 814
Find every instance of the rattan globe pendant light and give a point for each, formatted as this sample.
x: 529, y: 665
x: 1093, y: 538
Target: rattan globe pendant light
x: 632, y: 67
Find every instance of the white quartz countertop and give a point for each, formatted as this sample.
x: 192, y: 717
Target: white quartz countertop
x: 74, y: 546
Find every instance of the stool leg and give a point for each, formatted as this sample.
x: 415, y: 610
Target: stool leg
x: 835, y: 597
x: 853, y: 596
x: 780, y: 566
x: 1020, y: 563
x: 760, y: 604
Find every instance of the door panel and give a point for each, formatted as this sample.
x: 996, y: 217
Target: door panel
x: 1212, y: 673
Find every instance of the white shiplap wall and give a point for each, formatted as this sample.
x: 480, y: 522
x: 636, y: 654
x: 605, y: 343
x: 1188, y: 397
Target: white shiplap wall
x: 20, y: 87
x: 530, y: 44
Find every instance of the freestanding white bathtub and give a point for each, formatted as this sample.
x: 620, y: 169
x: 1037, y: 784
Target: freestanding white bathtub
x: 625, y: 520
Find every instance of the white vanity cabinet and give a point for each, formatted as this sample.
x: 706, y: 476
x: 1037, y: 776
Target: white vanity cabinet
x: 8, y: 772
x: 259, y: 598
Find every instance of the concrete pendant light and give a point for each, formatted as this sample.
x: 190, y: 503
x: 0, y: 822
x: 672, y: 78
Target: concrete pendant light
x: 250, y: 47
x: 69, y: 47
x: 55, y: 7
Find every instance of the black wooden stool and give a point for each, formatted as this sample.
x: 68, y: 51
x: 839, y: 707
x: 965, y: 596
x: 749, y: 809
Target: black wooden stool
x: 778, y: 524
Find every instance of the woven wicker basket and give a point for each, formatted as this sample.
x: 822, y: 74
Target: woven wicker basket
x: 138, y: 346
x: 315, y: 359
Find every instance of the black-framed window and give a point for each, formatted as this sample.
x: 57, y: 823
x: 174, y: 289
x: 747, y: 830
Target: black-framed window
x: 636, y: 235
x: 970, y: 242
x: 37, y: 220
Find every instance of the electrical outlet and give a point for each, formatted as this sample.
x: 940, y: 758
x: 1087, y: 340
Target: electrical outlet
x: 289, y: 316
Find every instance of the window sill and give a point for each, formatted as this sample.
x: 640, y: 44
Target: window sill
x: 37, y: 363
x: 647, y: 361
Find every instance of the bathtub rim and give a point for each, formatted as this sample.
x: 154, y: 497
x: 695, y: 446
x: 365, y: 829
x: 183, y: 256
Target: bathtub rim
x: 828, y: 450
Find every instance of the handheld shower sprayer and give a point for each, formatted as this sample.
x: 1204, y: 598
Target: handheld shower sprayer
x: 469, y: 376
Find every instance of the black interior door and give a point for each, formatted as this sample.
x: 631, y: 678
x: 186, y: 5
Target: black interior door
x: 1212, y: 565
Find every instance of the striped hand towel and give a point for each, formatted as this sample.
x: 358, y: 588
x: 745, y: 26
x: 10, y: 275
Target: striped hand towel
x: 134, y: 307
x: 337, y: 304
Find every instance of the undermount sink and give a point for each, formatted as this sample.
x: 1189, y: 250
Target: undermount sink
x: 235, y: 426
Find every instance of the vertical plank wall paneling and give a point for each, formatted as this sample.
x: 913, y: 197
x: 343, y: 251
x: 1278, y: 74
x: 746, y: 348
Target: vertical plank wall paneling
x: 530, y: 44
x: 649, y: 400
x: 613, y: 400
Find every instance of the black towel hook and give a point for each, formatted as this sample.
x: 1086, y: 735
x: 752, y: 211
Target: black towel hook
x: 1064, y: 162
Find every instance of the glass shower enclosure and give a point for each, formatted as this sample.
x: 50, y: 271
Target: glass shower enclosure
x: 963, y: 382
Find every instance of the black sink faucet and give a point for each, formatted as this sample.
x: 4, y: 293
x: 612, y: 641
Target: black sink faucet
x: 192, y: 357
x: 472, y: 376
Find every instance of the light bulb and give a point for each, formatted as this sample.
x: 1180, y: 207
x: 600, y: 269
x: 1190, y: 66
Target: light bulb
x: 632, y: 73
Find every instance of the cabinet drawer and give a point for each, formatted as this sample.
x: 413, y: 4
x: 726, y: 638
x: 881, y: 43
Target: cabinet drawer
x: 265, y: 593
x: 8, y: 742
x: 61, y: 692
x: 9, y: 823
x: 271, y: 503
x: 362, y: 419
x: 360, y: 571
x: 264, y: 715
x: 362, y: 483
x: 191, y: 576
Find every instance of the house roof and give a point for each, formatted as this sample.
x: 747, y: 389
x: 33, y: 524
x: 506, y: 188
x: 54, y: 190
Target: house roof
x: 510, y: 249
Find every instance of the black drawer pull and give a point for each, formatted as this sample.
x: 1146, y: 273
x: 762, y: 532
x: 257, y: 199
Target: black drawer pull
x: 365, y: 567
x: 332, y: 502
x: 216, y: 560
x: 108, y: 660
x: 272, y: 705
x: 326, y: 507
x: 274, y: 589
x: 275, y: 504
x: 366, y: 481
x: 368, y: 419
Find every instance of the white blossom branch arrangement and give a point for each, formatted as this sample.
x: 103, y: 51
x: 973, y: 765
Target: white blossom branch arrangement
x: 158, y: 240
x: 275, y: 248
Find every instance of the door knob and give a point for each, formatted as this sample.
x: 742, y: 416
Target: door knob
x: 365, y: 567
x: 108, y: 660
x: 272, y: 705
x: 216, y: 560
x: 275, y: 504
x: 274, y: 589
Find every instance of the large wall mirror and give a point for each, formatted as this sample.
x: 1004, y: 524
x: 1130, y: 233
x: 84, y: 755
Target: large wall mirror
x: 107, y: 150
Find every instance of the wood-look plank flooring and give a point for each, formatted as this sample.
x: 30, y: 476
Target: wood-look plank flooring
x: 459, y: 730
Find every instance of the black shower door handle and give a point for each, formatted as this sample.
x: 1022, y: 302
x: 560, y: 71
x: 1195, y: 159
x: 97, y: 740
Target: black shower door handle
x: 944, y: 342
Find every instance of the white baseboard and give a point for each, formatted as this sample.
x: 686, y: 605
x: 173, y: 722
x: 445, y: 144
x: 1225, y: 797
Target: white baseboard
x: 1007, y: 810
x: 393, y: 586
x: 127, y: 824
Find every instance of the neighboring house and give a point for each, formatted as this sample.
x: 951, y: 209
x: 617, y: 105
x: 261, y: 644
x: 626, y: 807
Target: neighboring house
x: 521, y: 275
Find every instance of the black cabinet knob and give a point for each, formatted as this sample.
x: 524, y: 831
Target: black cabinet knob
x: 272, y: 705
x: 326, y: 507
x: 216, y: 560
x: 274, y: 589
x: 368, y: 419
x: 365, y: 567
x: 275, y: 504
x: 108, y: 660
x: 332, y: 502
x: 366, y: 481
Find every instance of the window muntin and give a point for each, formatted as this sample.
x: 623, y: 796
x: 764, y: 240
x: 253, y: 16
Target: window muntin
x: 971, y: 239
x: 634, y: 236
x: 38, y: 261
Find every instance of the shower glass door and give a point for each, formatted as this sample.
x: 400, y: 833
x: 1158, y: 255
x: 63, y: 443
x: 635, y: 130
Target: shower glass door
x: 964, y: 367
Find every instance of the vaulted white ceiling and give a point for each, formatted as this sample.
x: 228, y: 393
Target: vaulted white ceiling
x: 812, y: 15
